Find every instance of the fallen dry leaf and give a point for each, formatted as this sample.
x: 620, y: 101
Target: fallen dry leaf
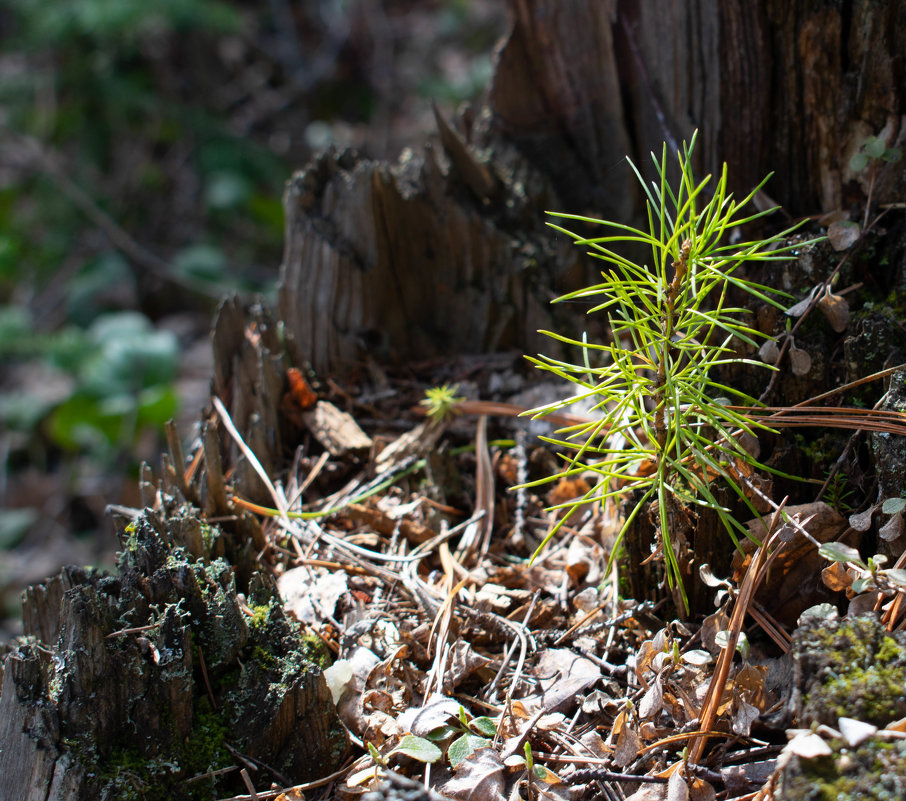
x: 843, y: 234
x: 563, y: 676
x: 807, y: 744
x: 836, y: 311
x: 676, y: 787
x: 434, y: 713
x: 311, y: 593
x: 855, y: 731
x: 627, y: 746
x: 479, y: 777
x: 800, y: 360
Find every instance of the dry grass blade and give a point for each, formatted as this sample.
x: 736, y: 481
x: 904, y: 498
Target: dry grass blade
x: 271, y: 794
x: 772, y: 628
x: 477, y: 538
x: 755, y: 572
x: 880, y: 420
x: 278, y: 497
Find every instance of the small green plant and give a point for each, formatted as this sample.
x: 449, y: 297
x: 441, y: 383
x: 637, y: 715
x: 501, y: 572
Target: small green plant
x: 873, y: 151
x: 667, y: 429
x: 865, y: 576
x: 440, y: 402
x: 838, y: 492
x: 872, y: 155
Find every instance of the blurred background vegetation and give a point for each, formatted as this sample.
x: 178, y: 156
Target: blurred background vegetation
x: 143, y: 151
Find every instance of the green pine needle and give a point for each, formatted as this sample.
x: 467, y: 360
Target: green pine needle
x: 652, y: 384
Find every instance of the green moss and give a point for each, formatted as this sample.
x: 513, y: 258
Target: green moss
x: 205, y: 749
x: 860, y: 672
x: 260, y: 615
x: 128, y: 774
x: 314, y: 650
x: 208, y: 536
x: 266, y: 659
x: 874, y: 770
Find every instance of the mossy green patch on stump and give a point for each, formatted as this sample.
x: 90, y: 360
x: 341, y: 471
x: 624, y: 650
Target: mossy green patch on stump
x: 873, y: 771
x: 850, y: 668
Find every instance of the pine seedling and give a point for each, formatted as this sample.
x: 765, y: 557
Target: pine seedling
x: 665, y: 428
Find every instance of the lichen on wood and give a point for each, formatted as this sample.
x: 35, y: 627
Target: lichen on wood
x: 145, y: 683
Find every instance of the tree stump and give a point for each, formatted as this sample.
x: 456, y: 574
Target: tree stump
x: 154, y: 680
x: 446, y: 252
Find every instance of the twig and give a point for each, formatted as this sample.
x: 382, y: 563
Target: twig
x: 248, y: 784
x: 118, y: 236
x: 301, y: 788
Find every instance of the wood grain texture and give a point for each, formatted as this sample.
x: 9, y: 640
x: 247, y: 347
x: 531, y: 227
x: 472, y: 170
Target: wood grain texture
x: 405, y: 262
x: 445, y: 252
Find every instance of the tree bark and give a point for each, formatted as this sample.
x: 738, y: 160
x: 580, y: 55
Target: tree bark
x: 424, y: 259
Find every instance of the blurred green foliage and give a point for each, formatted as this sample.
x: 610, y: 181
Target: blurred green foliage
x: 117, y: 94
x: 102, y: 384
x: 144, y: 147
x: 119, y: 91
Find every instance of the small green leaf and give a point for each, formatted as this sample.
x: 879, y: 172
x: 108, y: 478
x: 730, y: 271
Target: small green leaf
x: 547, y: 776
x: 893, y: 505
x: 227, y: 190
x: 463, y: 747
x: 484, y: 725
x: 14, y: 525
x: 859, y: 585
x: 442, y: 733
x: 838, y: 552
x: 874, y: 147
x: 858, y: 162
x: 375, y: 754
x: 892, y: 155
x: 418, y: 748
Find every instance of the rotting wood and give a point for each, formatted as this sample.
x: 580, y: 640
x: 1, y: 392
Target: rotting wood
x: 104, y: 691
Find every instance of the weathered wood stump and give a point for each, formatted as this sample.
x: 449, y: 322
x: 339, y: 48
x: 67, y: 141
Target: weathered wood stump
x: 152, y: 681
x: 446, y: 251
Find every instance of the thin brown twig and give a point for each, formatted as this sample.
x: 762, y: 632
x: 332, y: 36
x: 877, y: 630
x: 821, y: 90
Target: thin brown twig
x: 204, y: 676
x: 47, y: 161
